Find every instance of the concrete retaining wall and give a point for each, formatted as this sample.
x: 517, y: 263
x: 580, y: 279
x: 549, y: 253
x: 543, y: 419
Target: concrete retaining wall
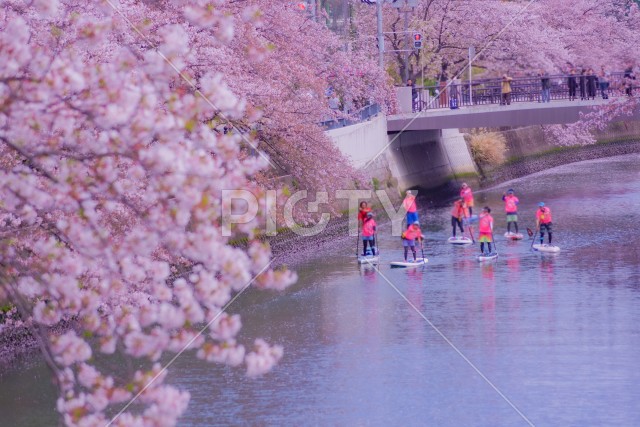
x: 363, y: 141
x: 414, y: 159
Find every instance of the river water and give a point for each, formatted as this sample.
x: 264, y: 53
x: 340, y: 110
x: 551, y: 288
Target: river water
x: 545, y: 339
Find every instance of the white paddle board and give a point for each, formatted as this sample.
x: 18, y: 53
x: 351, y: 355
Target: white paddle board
x: 546, y: 248
x: 460, y: 240
x: 488, y: 257
x: 513, y: 236
x: 369, y: 259
x: 409, y: 264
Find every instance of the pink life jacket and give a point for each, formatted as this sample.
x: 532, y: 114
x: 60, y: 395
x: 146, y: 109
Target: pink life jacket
x: 467, y: 195
x: 458, y: 211
x: 412, y: 233
x: 511, y: 204
x: 484, y: 223
x: 544, y: 215
x: 368, y: 227
x: 409, y: 203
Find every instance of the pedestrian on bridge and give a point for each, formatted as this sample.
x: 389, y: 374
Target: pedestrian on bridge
x: 545, y: 81
x: 572, y: 84
x: 603, y: 81
x: 506, y: 90
x: 591, y: 84
x: 629, y: 77
x: 583, y: 84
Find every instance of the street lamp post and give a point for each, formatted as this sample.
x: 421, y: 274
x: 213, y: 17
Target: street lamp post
x: 380, y: 35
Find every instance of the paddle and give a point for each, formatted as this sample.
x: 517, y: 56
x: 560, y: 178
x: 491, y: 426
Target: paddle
x: 471, y: 232
x: 495, y: 246
x: 377, y: 251
x: 358, y: 242
x: 422, y: 248
x: 529, y: 232
x: 533, y: 237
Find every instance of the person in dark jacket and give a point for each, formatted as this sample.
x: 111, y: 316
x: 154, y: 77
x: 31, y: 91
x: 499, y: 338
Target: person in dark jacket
x: 591, y: 84
x: 545, y: 82
x: 583, y: 84
x: 571, y: 82
x: 629, y: 77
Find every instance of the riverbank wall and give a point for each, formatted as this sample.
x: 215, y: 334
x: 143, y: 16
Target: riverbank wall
x: 530, y: 150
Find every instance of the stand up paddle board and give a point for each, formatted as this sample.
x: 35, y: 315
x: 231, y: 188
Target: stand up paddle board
x: 460, y: 240
x: 513, y: 236
x: 369, y: 259
x: 546, y: 248
x: 409, y: 264
x: 488, y: 257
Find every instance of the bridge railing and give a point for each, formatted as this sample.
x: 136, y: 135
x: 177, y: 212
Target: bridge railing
x: 523, y: 89
x: 359, y: 116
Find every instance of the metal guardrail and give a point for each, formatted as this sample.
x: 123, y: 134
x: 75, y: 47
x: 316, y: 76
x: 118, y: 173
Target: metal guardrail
x: 527, y: 89
x: 359, y: 116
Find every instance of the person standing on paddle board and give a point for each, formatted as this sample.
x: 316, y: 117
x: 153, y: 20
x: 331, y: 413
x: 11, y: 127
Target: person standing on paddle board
x: 511, y: 208
x: 485, y: 225
x: 368, y: 234
x: 543, y: 221
x: 458, y: 214
x: 467, y: 195
x: 409, y: 204
x: 409, y: 237
x: 362, y: 212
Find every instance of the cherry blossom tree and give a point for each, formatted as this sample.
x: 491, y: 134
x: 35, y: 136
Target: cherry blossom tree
x: 519, y: 35
x: 112, y: 173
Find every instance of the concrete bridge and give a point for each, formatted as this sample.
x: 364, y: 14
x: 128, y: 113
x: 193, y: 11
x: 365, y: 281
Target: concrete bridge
x: 493, y: 115
x: 426, y: 149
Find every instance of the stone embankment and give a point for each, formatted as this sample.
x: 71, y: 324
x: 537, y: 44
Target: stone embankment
x: 557, y: 157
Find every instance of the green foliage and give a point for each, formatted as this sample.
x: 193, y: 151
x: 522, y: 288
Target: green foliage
x: 376, y: 183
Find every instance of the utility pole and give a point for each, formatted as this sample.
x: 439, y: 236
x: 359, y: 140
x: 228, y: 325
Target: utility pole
x: 472, y: 54
x: 406, y: 45
x: 380, y: 35
x: 313, y: 10
x: 409, y: 6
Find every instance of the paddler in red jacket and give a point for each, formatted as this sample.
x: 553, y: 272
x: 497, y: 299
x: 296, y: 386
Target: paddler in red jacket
x: 368, y: 234
x: 409, y: 238
x: 485, y: 225
x: 467, y: 195
x: 543, y: 221
x: 511, y: 208
x: 459, y: 213
x: 362, y: 212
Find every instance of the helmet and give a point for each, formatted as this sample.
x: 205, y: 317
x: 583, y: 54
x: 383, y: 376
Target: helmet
x: 416, y: 223
x: 369, y: 215
x: 541, y: 204
x: 464, y: 184
x: 510, y: 190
